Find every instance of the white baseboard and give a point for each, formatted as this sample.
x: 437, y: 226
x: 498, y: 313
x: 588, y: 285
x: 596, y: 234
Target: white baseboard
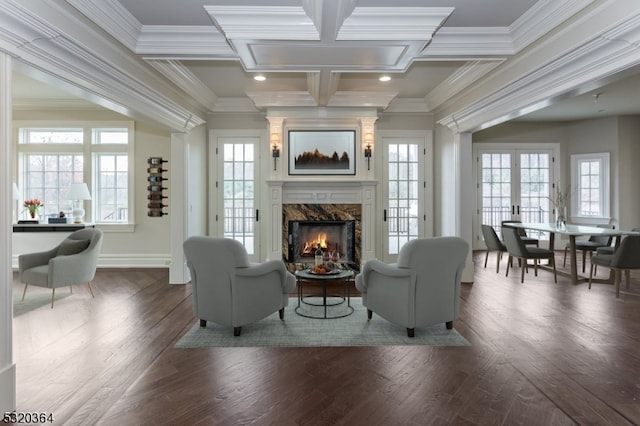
x: 126, y: 261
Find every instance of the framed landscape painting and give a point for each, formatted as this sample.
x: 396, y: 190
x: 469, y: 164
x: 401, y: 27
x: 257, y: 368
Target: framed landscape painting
x: 322, y: 152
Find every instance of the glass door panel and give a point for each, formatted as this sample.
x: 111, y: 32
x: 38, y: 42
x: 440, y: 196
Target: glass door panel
x: 403, y: 194
x: 515, y: 185
x: 239, y: 204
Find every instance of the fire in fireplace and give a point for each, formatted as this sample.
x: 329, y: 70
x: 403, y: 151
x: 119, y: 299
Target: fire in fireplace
x: 337, y: 237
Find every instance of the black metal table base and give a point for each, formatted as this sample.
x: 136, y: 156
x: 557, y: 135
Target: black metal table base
x: 324, y: 304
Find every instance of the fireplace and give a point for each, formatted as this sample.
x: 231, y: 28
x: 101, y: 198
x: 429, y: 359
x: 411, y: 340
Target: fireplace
x: 337, y: 237
x: 341, y: 223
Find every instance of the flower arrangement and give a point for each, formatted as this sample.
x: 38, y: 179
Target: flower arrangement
x: 560, y: 203
x: 33, y: 205
x: 561, y: 199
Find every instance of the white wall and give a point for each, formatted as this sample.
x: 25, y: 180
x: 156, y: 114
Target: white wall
x: 629, y: 172
x: 620, y: 136
x: 149, y: 244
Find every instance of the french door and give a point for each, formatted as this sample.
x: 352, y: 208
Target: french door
x: 236, y: 211
x: 407, y: 213
x: 514, y: 184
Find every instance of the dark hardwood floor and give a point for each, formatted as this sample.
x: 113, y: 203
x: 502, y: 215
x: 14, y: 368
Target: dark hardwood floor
x: 541, y: 354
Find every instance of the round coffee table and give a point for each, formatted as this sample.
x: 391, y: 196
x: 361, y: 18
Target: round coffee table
x: 336, y: 275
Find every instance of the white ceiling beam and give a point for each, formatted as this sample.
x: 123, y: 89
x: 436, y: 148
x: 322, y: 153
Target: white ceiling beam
x: 386, y: 23
x: 56, y: 41
x: 263, y: 22
x: 611, y: 39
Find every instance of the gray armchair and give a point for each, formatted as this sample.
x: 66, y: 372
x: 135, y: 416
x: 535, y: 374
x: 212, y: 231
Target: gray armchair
x: 73, y: 261
x: 422, y: 288
x: 228, y: 289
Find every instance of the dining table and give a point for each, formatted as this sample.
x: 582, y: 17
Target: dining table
x: 574, y: 231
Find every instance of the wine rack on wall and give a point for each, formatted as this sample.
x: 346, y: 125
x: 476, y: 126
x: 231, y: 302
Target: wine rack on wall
x: 155, y: 180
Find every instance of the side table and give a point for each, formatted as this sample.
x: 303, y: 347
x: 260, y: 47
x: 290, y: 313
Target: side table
x: 337, y: 275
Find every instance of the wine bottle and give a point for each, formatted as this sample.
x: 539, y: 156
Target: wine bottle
x: 156, y: 205
x: 156, y: 178
x: 317, y: 260
x: 154, y: 188
x: 156, y: 213
x: 156, y: 160
x: 156, y: 170
x: 156, y: 197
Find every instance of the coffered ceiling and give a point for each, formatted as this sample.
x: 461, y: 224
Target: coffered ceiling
x: 332, y: 53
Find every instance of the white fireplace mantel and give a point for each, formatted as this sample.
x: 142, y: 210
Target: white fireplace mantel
x: 321, y: 191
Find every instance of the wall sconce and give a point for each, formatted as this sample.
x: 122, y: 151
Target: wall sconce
x: 275, y: 151
x: 368, y: 139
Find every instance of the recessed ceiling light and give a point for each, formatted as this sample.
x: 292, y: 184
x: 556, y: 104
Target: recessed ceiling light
x: 385, y: 78
x: 259, y: 77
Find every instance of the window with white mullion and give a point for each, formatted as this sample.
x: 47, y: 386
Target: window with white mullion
x: 238, y: 193
x: 590, y: 186
x: 53, y: 155
x: 113, y: 188
x: 403, y: 195
x: 47, y: 177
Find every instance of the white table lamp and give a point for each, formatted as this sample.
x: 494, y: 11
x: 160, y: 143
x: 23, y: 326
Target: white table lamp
x: 78, y: 192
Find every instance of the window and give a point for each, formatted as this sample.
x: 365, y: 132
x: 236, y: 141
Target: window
x: 51, y: 158
x: 590, y: 185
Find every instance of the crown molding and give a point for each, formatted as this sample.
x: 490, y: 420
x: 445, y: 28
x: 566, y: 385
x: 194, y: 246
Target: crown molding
x: 384, y: 23
x: 613, y: 46
x: 235, y: 105
x: 77, y: 53
x: 408, y: 106
x: 113, y: 18
x: 282, y: 99
x: 187, y: 81
x: 263, y: 22
x: 462, y: 42
x: 28, y: 104
x: 458, y: 81
x: 188, y: 41
x: 356, y: 99
x: 300, y: 114
x: 541, y: 18
x: 483, y: 43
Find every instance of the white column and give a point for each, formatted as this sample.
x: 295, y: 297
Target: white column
x: 7, y: 366
x: 465, y: 196
x: 274, y: 233
x: 178, y: 208
x: 368, y: 224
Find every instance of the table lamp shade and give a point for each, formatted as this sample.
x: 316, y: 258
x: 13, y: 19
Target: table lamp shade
x: 78, y: 192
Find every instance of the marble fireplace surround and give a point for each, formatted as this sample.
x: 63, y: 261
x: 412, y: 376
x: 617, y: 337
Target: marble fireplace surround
x: 321, y: 200
x: 322, y: 212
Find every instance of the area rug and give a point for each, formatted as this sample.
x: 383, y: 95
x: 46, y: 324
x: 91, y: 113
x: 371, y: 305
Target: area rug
x: 298, y: 331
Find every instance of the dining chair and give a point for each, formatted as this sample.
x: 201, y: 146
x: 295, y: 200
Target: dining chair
x: 493, y: 243
x: 592, y: 244
x: 521, y: 232
x: 625, y: 258
x: 610, y: 249
x: 517, y: 248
